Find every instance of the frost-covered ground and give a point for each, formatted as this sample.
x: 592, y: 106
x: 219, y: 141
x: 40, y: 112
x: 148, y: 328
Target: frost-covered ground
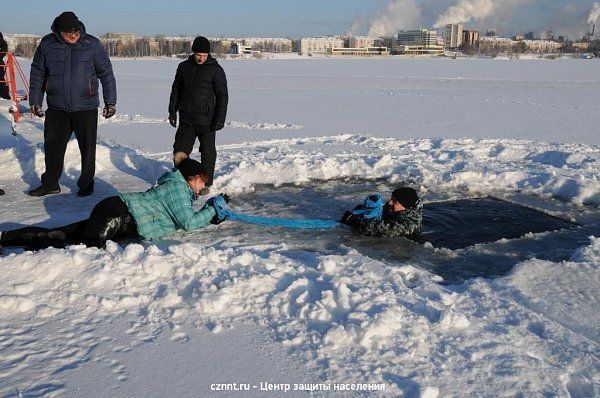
x: 237, y: 303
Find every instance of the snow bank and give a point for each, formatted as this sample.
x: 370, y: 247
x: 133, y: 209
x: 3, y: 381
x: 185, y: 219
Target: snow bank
x: 129, y: 119
x: 367, y: 321
x: 477, y: 166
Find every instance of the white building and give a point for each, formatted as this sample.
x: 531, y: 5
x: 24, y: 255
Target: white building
x: 543, y: 46
x: 237, y: 48
x: 267, y: 44
x: 453, y: 36
x: 504, y: 44
x: 361, y: 41
x: 359, y: 51
x: 311, y: 45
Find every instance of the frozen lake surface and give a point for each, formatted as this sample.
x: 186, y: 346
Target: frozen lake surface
x: 547, y: 100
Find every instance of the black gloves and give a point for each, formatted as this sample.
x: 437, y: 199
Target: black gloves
x: 37, y: 110
x: 173, y: 119
x: 217, y: 126
x: 350, y: 219
x: 216, y: 220
x: 109, y: 111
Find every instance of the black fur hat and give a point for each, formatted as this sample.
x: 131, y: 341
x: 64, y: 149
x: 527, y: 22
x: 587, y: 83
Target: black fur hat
x: 190, y: 167
x: 201, y: 45
x: 67, y: 22
x: 406, y: 196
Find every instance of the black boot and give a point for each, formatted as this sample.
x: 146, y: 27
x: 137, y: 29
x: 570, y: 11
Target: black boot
x: 43, y: 191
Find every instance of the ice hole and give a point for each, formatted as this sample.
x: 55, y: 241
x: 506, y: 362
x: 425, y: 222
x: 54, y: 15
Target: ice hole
x: 480, y: 237
x: 457, y: 224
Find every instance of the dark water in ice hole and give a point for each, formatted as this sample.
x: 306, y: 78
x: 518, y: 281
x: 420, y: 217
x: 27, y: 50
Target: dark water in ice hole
x: 457, y: 225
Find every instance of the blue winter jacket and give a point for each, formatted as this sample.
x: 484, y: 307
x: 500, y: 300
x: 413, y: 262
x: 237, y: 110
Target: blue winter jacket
x: 69, y: 73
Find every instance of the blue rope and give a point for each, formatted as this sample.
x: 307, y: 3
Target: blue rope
x: 281, y: 222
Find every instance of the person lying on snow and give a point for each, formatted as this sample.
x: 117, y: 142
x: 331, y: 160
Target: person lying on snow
x: 159, y: 211
x: 400, y: 216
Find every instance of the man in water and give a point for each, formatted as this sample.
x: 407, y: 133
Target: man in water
x: 402, y: 215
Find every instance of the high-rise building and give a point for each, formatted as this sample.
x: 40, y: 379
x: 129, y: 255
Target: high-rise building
x: 453, y: 35
x: 417, y: 37
x: 470, y: 38
x: 418, y: 42
x: 547, y: 35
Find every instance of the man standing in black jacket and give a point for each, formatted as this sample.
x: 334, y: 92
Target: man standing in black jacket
x: 199, y: 94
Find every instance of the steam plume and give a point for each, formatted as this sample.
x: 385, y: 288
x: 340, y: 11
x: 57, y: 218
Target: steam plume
x: 475, y: 10
x: 594, y: 14
x: 398, y: 15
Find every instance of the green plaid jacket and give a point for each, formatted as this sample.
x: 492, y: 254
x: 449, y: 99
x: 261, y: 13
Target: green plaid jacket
x: 166, y: 207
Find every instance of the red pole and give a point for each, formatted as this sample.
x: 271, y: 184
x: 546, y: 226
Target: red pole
x: 10, y: 69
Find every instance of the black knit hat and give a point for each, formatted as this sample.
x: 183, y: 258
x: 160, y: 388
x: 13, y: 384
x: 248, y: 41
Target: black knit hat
x: 190, y: 167
x: 201, y: 45
x: 67, y: 22
x: 406, y: 196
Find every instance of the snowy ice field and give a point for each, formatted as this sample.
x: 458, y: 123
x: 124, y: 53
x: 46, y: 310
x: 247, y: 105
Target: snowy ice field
x: 238, y: 303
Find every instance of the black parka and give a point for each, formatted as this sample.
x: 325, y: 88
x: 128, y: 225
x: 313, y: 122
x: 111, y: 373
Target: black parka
x: 199, y: 93
x: 3, y: 45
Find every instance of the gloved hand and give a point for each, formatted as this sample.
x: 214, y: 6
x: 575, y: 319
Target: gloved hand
x: 220, y: 204
x: 173, y: 119
x: 211, y: 202
x: 109, y: 111
x: 37, y: 110
x: 350, y: 220
x: 216, y: 126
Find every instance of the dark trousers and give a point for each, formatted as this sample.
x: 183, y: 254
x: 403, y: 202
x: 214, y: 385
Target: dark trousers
x: 110, y: 219
x: 58, y: 127
x: 4, y: 91
x: 185, y: 137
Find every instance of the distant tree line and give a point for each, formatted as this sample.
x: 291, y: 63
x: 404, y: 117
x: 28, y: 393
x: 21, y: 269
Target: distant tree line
x: 25, y: 47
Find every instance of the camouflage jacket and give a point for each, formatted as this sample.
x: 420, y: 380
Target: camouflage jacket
x: 403, y: 223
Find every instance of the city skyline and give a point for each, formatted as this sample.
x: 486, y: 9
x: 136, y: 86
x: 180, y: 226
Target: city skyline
x: 270, y: 18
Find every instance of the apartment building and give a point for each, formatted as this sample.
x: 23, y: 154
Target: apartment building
x: 319, y: 45
x: 453, y: 36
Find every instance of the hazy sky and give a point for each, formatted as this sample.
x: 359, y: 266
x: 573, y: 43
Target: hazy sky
x: 292, y: 18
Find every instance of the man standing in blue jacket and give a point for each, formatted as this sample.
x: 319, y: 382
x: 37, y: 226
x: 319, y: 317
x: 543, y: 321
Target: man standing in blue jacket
x: 67, y: 66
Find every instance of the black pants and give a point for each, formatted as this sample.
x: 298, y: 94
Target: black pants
x: 58, y: 127
x: 185, y: 137
x: 110, y: 219
x: 4, y: 91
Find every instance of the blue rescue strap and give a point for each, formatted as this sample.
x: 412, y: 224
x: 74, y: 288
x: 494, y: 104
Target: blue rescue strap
x: 372, y: 208
x: 281, y: 222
